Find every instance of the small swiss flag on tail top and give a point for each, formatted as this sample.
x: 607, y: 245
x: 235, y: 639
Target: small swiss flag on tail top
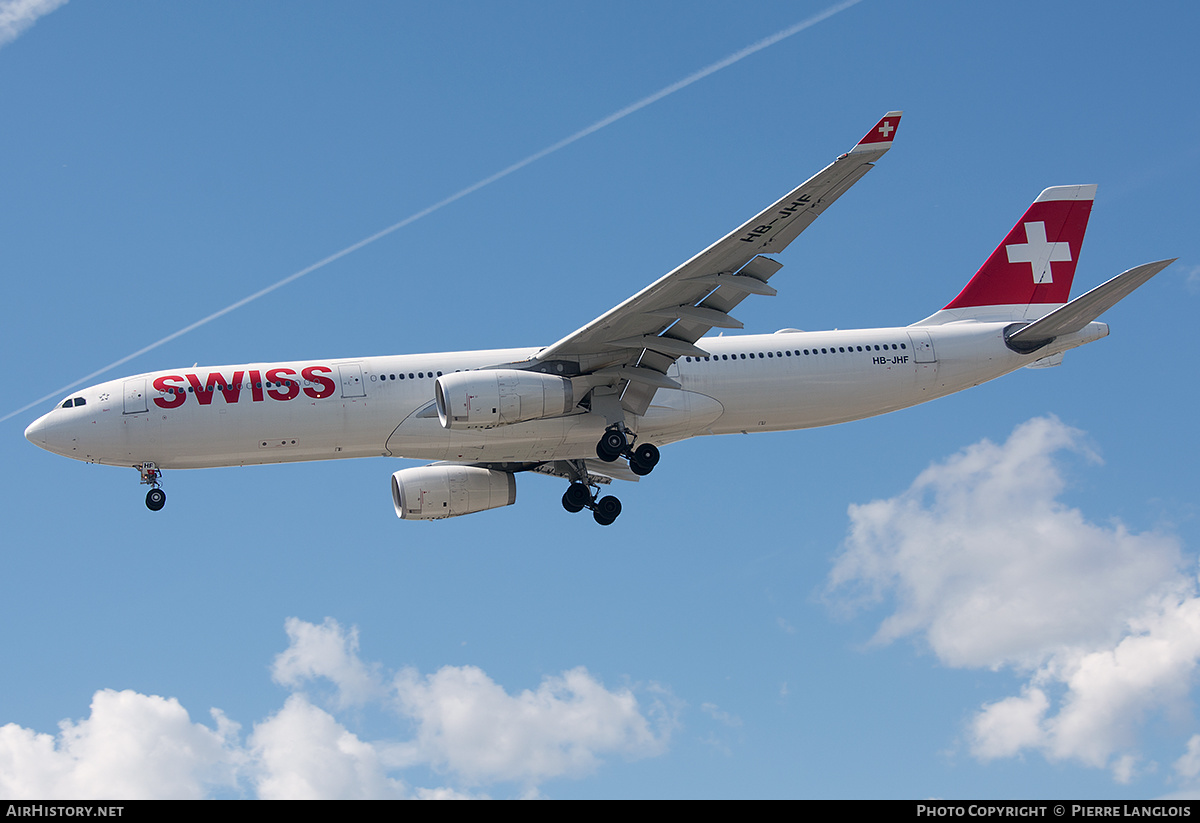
x: 1036, y: 262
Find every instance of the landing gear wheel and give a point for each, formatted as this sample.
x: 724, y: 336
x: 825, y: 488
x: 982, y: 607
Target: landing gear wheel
x: 611, y: 446
x: 607, y: 510
x: 156, y: 499
x: 576, y: 497
x: 638, y: 469
x: 646, y: 455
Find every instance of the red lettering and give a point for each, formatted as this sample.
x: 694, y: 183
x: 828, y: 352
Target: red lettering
x: 232, y: 389
x: 175, y: 394
x: 327, y: 385
x: 282, y: 384
x: 202, y: 394
x: 291, y: 387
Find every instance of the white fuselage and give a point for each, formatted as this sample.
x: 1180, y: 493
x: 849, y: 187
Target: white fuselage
x: 372, y: 406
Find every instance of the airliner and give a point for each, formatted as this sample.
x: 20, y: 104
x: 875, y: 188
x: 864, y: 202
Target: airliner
x: 597, y: 405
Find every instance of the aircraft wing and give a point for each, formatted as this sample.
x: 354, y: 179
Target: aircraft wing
x: 637, y: 341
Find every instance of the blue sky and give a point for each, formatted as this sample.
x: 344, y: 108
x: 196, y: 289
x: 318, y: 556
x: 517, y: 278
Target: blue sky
x: 992, y: 595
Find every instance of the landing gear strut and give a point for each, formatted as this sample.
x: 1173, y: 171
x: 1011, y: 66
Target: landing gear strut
x: 156, y: 498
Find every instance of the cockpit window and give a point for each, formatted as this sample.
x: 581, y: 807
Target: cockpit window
x: 68, y: 403
x: 79, y: 401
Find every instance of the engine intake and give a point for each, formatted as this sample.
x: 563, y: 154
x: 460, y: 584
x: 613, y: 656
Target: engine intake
x: 435, y: 492
x: 498, y: 397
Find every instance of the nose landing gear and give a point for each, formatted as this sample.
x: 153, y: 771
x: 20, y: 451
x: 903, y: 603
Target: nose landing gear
x: 156, y: 498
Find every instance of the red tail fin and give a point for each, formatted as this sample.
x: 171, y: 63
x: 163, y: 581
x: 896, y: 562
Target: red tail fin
x: 1036, y: 261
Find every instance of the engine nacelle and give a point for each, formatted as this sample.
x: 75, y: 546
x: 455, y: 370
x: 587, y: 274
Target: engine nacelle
x: 434, y: 492
x: 497, y: 397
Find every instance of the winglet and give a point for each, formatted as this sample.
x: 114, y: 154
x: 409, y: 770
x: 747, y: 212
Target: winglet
x: 881, y: 134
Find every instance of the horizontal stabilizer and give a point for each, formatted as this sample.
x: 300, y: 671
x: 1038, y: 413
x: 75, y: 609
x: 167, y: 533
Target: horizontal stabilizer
x: 1083, y: 309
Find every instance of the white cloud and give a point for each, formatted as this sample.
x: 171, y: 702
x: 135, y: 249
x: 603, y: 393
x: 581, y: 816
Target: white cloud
x: 468, y: 724
x: 1009, y: 725
x: 144, y: 746
x: 1192, y: 279
x: 18, y: 15
x: 720, y: 715
x: 131, y: 746
x: 329, y: 652
x: 982, y: 562
x: 303, y: 753
x: 1188, y: 766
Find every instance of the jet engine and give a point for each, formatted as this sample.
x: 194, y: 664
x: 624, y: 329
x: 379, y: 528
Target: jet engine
x: 438, y: 491
x: 496, y: 397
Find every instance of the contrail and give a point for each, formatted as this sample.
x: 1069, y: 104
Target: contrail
x: 474, y: 187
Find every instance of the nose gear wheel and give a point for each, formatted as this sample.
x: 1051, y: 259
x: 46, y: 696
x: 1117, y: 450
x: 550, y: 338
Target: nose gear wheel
x: 151, y: 476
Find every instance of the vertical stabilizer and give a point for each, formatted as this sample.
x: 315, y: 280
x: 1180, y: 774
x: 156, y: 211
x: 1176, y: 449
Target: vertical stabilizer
x: 1030, y: 272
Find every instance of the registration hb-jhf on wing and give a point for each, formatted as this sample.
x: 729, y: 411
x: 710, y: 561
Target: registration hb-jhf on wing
x: 598, y: 404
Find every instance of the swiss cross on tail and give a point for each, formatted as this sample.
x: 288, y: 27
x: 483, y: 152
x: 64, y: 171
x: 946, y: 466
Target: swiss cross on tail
x: 1036, y: 261
x: 1039, y: 252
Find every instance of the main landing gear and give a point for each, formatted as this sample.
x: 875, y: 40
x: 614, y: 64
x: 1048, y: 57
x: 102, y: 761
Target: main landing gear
x: 578, y: 497
x: 615, y: 443
x: 156, y: 498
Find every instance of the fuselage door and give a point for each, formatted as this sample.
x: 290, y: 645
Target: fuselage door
x: 925, y: 359
x: 922, y: 347
x: 352, y: 380
x: 135, y: 395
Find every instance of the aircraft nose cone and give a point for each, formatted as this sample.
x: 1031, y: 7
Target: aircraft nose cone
x: 35, y: 432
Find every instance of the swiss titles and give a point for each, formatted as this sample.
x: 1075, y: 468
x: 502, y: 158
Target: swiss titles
x: 249, y: 385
